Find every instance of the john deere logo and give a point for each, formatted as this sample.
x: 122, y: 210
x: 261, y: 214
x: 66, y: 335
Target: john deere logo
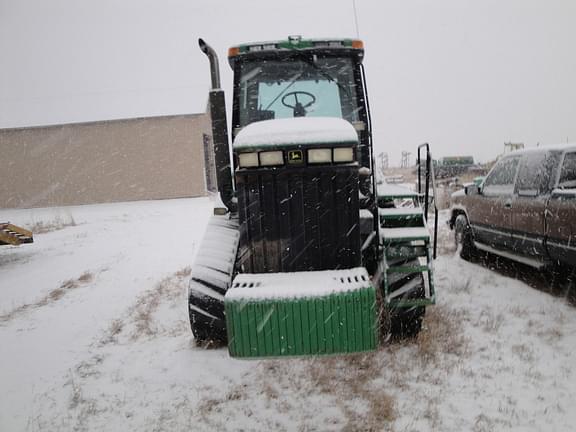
x: 295, y: 156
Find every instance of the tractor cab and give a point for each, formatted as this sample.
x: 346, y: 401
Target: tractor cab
x: 301, y: 78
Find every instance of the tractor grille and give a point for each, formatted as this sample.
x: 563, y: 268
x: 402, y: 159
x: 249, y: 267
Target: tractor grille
x: 298, y: 219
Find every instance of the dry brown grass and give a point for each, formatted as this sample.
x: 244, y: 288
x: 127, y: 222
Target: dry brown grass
x: 551, y: 334
x: 53, y: 296
x: 441, y: 335
x: 524, y: 352
x: 287, y: 384
x: 490, y: 321
x: 184, y: 272
x: 85, y: 277
x: 464, y: 287
x: 85, y: 407
x: 209, y: 405
x: 363, y: 387
x: 140, y: 321
x: 58, y: 223
x: 350, y: 379
x: 518, y: 311
x: 169, y: 288
x: 56, y: 294
x: 89, y: 367
x: 112, y: 332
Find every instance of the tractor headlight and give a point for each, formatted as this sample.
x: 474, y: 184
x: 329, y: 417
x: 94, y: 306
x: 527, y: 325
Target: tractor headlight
x: 316, y: 156
x: 344, y: 154
x: 248, y: 160
x: 270, y: 158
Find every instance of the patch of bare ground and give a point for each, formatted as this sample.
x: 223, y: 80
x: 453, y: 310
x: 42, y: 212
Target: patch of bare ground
x: 343, y: 382
x: 363, y: 389
x: 354, y: 382
x: 441, y: 336
x: 141, y: 321
x: 56, y: 224
x: 350, y: 379
x: 53, y: 296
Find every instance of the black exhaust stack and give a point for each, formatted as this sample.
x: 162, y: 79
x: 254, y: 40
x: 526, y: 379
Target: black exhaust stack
x: 219, y: 131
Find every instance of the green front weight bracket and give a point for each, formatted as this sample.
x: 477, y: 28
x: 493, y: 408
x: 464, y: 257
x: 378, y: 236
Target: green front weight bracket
x: 276, y: 321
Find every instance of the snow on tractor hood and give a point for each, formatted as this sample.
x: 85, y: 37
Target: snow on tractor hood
x: 296, y: 131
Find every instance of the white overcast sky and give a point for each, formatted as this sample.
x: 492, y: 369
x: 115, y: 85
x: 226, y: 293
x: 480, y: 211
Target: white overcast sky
x: 464, y: 75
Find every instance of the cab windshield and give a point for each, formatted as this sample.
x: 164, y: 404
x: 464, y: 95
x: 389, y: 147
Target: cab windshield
x: 301, y: 87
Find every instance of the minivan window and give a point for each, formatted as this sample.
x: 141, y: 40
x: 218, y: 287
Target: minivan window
x: 534, y: 174
x: 500, y: 181
x: 568, y: 172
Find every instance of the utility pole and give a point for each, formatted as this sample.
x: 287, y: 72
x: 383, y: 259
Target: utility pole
x: 383, y: 162
x: 405, y: 163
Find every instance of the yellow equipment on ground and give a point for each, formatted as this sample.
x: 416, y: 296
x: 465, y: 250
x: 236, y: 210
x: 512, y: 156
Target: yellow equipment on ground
x: 14, y: 235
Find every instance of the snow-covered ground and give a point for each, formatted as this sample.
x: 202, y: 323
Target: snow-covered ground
x: 94, y: 335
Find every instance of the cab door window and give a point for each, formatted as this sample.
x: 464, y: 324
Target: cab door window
x: 567, y: 178
x: 535, y: 173
x: 500, y: 181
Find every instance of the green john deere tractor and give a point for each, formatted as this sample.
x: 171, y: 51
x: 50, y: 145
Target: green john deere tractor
x: 304, y: 254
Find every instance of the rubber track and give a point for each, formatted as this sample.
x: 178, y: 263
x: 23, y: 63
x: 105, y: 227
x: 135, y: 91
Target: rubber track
x: 211, y: 277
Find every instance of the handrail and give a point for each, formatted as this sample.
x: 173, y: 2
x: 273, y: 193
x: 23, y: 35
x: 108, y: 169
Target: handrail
x: 429, y: 177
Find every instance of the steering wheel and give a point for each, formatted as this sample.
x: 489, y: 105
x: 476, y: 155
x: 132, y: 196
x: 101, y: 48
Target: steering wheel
x: 299, y: 109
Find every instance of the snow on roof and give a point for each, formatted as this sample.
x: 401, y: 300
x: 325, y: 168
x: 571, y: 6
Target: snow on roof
x: 551, y: 147
x: 296, y: 131
x: 264, y: 286
x: 568, y: 192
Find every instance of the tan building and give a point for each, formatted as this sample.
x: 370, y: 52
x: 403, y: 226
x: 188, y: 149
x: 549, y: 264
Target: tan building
x: 107, y: 161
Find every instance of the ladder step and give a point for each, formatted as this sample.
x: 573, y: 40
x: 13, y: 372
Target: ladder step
x: 403, y: 261
x: 411, y: 291
x: 399, y: 235
x: 406, y: 251
x: 400, y: 212
x: 403, y: 222
x: 408, y: 269
x: 412, y: 284
x: 391, y: 192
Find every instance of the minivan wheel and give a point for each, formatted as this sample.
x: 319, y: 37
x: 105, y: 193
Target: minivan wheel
x: 463, y: 238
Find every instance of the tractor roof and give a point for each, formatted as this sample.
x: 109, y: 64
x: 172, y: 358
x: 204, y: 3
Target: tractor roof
x: 295, y: 43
